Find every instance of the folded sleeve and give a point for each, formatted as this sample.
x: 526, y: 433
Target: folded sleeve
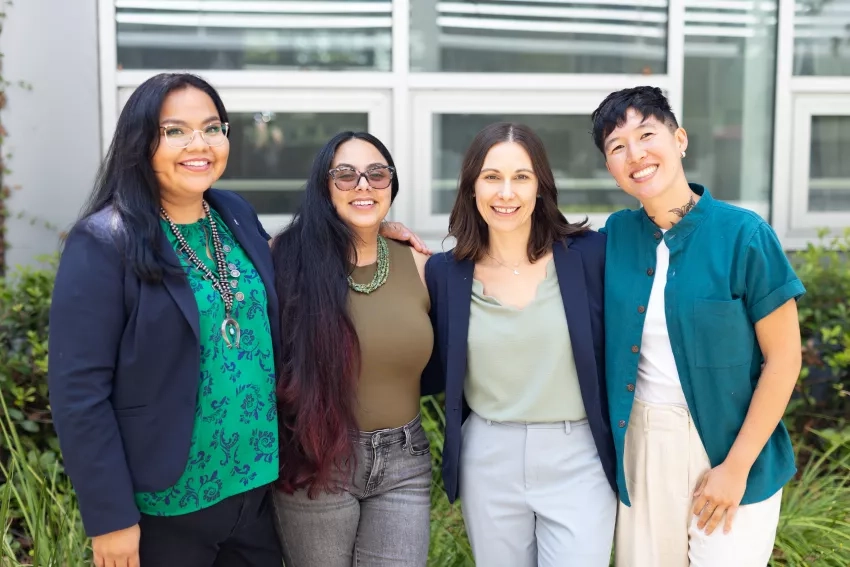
x: 769, y: 278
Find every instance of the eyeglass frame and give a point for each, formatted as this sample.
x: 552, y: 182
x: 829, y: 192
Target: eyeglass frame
x: 225, y: 129
x: 362, y: 174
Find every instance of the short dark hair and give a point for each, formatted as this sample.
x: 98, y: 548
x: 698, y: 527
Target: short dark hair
x: 611, y: 113
x: 548, y: 224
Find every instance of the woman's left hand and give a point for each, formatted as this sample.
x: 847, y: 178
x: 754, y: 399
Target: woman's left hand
x: 397, y: 231
x: 720, y: 491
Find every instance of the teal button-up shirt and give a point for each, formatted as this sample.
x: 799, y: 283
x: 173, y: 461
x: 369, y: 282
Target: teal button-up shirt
x: 727, y: 271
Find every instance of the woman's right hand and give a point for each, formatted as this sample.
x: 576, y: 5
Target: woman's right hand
x: 117, y: 549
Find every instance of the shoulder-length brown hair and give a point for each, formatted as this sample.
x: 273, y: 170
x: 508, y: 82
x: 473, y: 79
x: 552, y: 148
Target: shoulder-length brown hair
x: 548, y: 224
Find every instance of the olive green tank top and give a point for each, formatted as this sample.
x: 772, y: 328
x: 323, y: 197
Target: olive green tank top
x: 396, y: 340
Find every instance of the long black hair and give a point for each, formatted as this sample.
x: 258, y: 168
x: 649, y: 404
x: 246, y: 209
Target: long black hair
x: 320, y: 357
x: 126, y: 180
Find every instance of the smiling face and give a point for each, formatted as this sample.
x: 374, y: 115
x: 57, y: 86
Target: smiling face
x: 506, y: 188
x: 188, y: 172
x: 645, y: 157
x: 364, y: 206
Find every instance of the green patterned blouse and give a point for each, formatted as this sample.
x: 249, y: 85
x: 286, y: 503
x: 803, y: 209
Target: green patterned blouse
x: 234, y: 441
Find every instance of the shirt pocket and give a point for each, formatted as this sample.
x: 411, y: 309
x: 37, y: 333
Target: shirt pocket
x: 723, y: 333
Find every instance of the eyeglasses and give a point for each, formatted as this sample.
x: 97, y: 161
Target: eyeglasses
x: 181, y: 137
x: 347, y: 178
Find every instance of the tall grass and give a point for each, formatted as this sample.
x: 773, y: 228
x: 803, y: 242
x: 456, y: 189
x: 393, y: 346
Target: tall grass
x: 40, y: 523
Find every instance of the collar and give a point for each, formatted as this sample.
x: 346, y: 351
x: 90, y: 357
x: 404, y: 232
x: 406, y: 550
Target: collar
x: 689, y: 223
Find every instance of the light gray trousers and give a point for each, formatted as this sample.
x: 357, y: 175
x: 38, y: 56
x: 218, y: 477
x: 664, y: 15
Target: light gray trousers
x: 535, y: 495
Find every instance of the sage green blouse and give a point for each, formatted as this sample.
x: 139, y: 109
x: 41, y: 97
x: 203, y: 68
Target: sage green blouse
x: 520, y: 361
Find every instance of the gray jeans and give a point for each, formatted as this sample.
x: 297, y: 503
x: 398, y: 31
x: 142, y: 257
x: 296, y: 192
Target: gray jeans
x: 381, y: 521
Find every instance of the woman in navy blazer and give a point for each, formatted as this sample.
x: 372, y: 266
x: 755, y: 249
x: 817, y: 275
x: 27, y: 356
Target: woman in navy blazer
x: 538, y: 478
x: 161, y: 369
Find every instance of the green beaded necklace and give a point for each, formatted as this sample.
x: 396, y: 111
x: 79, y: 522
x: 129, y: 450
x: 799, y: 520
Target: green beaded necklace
x: 381, y: 273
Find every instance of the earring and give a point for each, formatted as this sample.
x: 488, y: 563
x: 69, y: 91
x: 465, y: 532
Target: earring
x: 683, y: 153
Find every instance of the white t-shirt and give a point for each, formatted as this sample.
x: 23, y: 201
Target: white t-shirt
x: 658, y: 380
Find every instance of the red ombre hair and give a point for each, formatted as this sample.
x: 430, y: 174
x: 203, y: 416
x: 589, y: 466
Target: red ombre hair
x: 319, y: 360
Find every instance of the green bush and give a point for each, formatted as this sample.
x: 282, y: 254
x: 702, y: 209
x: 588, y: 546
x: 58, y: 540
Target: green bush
x: 822, y: 399
x: 24, y: 309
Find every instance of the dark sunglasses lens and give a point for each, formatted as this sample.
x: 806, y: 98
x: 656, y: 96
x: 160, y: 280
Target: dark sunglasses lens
x: 346, y: 180
x: 380, y: 178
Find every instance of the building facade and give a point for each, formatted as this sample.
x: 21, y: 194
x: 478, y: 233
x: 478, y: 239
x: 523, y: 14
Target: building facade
x: 761, y: 86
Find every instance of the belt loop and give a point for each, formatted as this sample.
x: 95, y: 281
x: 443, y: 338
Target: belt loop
x: 406, y: 437
x: 646, y: 412
x: 567, y: 427
x: 489, y: 422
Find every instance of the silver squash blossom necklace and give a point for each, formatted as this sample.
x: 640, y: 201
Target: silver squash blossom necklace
x: 221, y: 282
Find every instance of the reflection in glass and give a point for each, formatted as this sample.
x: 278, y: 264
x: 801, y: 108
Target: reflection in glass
x: 829, y: 168
x: 822, y: 37
x: 315, y: 34
x: 584, y: 184
x: 562, y: 36
x: 728, y: 99
x: 271, y: 154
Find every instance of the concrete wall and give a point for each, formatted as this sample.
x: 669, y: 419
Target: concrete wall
x: 54, y: 129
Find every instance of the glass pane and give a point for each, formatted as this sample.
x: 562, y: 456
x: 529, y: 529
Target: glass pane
x: 829, y: 168
x: 584, y: 184
x: 728, y: 99
x: 539, y: 36
x: 315, y: 34
x: 821, y: 45
x: 271, y: 154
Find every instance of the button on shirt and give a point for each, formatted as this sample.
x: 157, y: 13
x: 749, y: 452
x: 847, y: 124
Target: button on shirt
x: 726, y: 271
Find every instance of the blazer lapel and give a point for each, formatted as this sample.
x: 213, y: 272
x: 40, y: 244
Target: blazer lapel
x: 570, y: 269
x: 178, y: 286
x: 460, y: 293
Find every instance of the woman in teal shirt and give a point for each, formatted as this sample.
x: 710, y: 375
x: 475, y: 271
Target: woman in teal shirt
x: 702, y: 353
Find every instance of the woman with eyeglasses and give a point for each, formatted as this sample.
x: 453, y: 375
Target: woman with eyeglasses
x: 355, y: 484
x: 163, y: 331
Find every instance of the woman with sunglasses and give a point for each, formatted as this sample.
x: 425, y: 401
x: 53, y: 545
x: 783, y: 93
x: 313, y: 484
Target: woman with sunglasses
x: 355, y: 485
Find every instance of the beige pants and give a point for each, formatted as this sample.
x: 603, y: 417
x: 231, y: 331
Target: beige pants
x: 664, y: 461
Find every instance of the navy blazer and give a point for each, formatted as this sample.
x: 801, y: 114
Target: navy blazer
x: 124, y: 363
x: 580, y: 265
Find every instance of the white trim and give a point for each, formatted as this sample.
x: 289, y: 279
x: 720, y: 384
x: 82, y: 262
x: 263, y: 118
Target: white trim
x: 538, y: 26
x: 267, y: 78
x: 825, y: 85
x: 656, y: 17
x: 241, y: 21
x: 266, y: 7
x: 108, y: 64
x: 532, y: 82
x: 676, y: 57
x: 780, y: 217
x: 398, y: 144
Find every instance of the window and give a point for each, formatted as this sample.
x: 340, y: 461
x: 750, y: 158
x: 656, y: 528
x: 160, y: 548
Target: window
x: 578, y: 36
x: 271, y: 154
x: 312, y: 35
x: 821, y: 41
x: 729, y: 84
x: 820, y: 171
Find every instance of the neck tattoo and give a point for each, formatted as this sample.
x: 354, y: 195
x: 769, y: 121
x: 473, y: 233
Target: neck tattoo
x: 685, y: 209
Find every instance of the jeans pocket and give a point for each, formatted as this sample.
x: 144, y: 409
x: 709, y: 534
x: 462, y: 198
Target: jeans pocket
x: 417, y: 443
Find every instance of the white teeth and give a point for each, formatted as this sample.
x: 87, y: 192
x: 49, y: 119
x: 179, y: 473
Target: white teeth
x: 505, y: 210
x: 644, y: 172
x: 362, y: 203
x: 200, y: 163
